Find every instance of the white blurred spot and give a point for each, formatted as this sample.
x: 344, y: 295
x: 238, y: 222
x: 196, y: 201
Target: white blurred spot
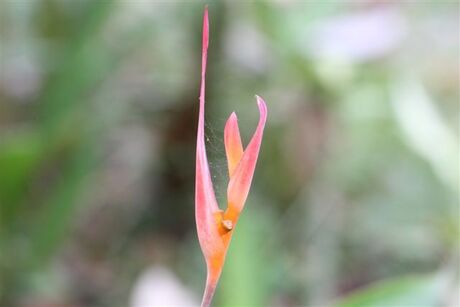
x: 246, y: 47
x: 358, y: 37
x: 20, y: 76
x: 158, y: 286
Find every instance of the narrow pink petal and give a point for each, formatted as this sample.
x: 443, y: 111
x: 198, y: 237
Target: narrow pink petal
x: 240, y: 182
x: 205, y: 200
x: 204, y: 58
x: 233, y: 146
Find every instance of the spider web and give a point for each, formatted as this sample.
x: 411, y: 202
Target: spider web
x: 215, y: 149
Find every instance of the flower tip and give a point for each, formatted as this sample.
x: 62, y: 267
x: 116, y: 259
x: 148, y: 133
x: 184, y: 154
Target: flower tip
x: 205, y: 30
x: 261, y: 104
x: 231, y: 123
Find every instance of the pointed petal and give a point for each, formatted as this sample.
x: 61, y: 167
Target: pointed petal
x: 240, y: 182
x: 203, y: 177
x: 205, y: 200
x: 233, y: 146
x: 204, y: 56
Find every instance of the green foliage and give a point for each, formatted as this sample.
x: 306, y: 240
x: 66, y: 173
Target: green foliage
x: 357, y: 179
x: 402, y: 291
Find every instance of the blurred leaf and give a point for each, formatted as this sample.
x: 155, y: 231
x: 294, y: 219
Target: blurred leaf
x: 422, y: 126
x: 83, y: 63
x: 19, y: 155
x: 55, y: 218
x: 244, y: 278
x: 401, y: 291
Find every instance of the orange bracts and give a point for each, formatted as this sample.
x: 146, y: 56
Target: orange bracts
x: 215, y: 226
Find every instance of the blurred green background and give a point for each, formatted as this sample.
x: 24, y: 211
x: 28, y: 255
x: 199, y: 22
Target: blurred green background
x: 355, y: 196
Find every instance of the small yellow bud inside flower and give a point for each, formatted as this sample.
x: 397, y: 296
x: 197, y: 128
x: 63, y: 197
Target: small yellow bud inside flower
x: 227, y: 224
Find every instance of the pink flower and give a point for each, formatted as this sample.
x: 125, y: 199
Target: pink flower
x: 215, y: 226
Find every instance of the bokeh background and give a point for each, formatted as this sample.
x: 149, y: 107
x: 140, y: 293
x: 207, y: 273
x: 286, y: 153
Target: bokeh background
x: 355, y: 196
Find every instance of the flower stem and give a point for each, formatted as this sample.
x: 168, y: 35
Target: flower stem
x: 208, y: 294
